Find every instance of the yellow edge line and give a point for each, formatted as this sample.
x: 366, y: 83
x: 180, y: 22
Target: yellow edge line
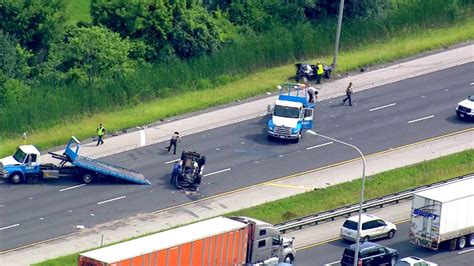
x: 337, y: 238
x: 287, y: 186
x: 274, y: 180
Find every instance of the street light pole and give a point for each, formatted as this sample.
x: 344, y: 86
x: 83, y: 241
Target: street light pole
x: 356, y: 255
x: 338, y: 33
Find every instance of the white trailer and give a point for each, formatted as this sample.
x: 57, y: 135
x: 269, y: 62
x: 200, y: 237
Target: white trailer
x: 444, y: 214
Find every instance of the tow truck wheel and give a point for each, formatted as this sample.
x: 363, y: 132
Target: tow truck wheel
x: 15, y: 178
x: 87, y: 178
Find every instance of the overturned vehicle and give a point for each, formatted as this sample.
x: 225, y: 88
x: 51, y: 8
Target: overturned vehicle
x: 187, y: 172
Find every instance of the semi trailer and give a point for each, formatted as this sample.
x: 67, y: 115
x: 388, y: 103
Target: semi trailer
x: 217, y: 241
x: 444, y: 214
x: 25, y: 166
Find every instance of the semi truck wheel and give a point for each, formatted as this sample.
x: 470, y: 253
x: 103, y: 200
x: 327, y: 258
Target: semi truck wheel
x: 15, y: 178
x: 471, y: 240
x: 289, y: 259
x: 87, y: 178
x: 461, y: 242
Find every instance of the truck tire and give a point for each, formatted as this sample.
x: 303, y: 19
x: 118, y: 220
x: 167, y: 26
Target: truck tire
x: 15, y: 178
x: 470, y: 240
x: 289, y: 259
x: 303, y: 79
x: 461, y: 242
x: 87, y: 178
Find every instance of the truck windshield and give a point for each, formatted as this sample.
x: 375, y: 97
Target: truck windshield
x: 19, y: 155
x: 286, y: 111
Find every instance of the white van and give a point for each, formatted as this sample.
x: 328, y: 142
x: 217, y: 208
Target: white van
x: 465, y: 109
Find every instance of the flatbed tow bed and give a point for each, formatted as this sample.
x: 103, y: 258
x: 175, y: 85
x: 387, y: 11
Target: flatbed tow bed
x: 71, y: 165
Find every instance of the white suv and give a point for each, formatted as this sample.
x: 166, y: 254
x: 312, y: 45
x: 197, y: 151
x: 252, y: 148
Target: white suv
x: 372, y: 227
x: 465, y: 109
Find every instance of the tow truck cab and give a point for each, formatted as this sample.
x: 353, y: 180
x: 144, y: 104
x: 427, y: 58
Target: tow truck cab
x: 291, y: 113
x: 24, y: 161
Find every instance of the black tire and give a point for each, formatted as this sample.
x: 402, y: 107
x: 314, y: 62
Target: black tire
x: 365, y: 239
x: 461, y: 242
x: 15, y: 178
x: 202, y: 160
x: 87, y: 178
x: 393, y: 261
x: 391, y: 234
x: 182, y: 155
x: 303, y: 79
x: 470, y: 240
x: 289, y: 259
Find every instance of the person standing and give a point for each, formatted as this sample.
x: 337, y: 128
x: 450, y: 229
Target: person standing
x: 348, y: 95
x: 319, y: 72
x: 100, y: 134
x: 174, y: 141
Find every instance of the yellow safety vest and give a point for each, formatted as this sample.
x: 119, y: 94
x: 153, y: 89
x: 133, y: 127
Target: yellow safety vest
x: 320, y: 70
x: 100, y: 131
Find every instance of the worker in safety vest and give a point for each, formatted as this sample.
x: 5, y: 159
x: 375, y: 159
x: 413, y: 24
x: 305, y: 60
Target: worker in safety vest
x: 100, y: 134
x: 319, y: 72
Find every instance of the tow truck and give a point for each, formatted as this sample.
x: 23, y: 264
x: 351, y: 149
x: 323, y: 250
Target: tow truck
x: 291, y: 113
x: 25, y: 166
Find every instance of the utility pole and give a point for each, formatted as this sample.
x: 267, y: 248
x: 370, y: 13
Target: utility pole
x: 338, y: 33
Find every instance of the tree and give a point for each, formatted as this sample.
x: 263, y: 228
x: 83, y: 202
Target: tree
x: 36, y: 24
x: 13, y: 59
x: 195, y: 33
x: 90, y: 54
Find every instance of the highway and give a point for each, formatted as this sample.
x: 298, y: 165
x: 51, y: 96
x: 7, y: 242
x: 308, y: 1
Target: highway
x: 240, y: 155
x: 331, y: 253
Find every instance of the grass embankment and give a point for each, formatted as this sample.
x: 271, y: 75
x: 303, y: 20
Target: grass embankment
x: 376, y: 186
x: 346, y: 193
x: 252, y: 85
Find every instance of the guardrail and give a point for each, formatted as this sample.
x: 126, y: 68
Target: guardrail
x: 314, y: 219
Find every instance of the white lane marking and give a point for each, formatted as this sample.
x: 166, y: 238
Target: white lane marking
x: 109, y: 200
x: 320, y: 145
x: 381, y: 107
x: 142, y: 138
x: 8, y: 227
x: 466, y: 251
x: 218, y: 172
x: 172, y: 161
x: 420, y: 119
x: 73, y: 187
x: 332, y: 263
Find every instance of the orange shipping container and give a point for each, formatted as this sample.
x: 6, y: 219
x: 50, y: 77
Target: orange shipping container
x: 217, y: 241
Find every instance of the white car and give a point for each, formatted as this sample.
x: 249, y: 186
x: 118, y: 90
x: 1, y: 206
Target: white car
x: 465, y: 109
x: 414, y: 261
x: 373, y: 227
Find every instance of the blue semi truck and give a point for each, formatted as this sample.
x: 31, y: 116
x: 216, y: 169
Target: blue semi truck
x: 25, y: 166
x: 291, y: 113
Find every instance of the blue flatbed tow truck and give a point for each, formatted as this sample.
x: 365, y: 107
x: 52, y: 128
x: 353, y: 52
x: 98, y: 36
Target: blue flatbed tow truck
x: 24, y: 166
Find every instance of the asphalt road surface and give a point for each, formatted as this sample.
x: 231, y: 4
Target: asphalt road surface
x: 240, y: 155
x: 331, y: 253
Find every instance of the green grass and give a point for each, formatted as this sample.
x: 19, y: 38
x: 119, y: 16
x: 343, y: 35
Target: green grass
x: 378, y: 185
x: 343, y: 194
x: 78, y: 10
x: 245, y: 87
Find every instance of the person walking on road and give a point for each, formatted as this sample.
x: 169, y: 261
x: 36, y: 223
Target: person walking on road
x: 100, y: 134
x: 348, y: 95
x: 173, y: 142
